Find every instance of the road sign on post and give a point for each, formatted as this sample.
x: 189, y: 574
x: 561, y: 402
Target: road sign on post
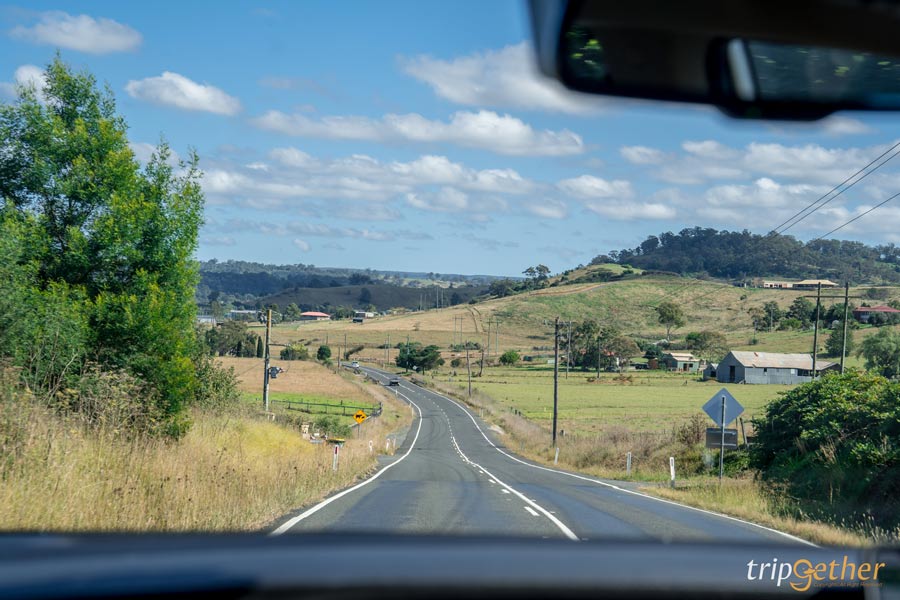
x: 360, y: 416
x: 723, y: 408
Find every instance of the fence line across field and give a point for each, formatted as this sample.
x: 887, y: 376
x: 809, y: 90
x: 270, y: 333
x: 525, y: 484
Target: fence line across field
x: 294, y: 404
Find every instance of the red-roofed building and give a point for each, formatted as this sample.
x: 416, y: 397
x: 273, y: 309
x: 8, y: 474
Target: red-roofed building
x: 863, y: 313
x: 314, y: 316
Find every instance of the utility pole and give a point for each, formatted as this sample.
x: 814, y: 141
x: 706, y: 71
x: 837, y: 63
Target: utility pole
x: 568, y: 346
x: 816, y: 328
x: 497, y: 338
x: 555, y: 375
x: 266, y: 361
x: 387, y: 351
x: 844, y: 323
x: 488, y: 339
x: 599, y: 355
x: 468, y: 369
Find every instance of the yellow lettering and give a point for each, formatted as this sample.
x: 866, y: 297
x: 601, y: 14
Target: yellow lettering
x: 864, y: 568
x: 802, y: 570
x: 831, y: 575
x: 877, y: 566
x: 819, y: 573
x: 844, y: 570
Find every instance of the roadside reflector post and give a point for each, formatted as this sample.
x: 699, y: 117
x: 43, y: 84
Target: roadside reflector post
x: 722, y: 445
x: 371, y: 446
x: 334, y: 462
x: 628, y: 464
x: 556, y: 458
x: 672, y: 471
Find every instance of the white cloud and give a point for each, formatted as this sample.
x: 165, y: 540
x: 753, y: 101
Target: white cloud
x: 641, y: 155
x: 547, y: 209
x: 172, y: 89
x: 79, y: 32
x: 630, y: 211
x: 143, y: 151
x: 302, y: 245
x: 484, y: 129
x: 26, y: 76
x: 588, y: 186
x: 445, y: 200
x: 217, y: 240
x: 709, y: 149
x: 498, y: 78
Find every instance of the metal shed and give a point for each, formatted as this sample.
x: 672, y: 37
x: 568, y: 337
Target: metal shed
x: 769, y: 367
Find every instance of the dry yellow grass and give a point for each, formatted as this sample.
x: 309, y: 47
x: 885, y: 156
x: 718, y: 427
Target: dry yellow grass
x: 748, y: 500
x: 230, y: 472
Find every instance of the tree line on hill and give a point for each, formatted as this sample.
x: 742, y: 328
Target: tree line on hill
x: 742, y: 255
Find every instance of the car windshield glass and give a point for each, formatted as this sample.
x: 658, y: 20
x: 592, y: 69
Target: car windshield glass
x: 352, y: 267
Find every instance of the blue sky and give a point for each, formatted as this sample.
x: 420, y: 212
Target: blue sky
x: 416, y: 136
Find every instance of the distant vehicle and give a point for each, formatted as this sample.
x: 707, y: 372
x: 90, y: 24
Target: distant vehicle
x: 394, y: 381
x: 355, y: 364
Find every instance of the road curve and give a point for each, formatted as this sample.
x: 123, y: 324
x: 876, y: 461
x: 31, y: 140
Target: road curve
x: 453, y: 476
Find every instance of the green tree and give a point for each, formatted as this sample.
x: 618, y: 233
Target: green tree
x: 260, y: 351
x: 323, y: 353
x: 119, y: 237
x: 882, y: 352
x: 709, y: 345
x: 671, y: 315
x: 292, y: 312
x: 773, y: 314
x: 803, y: 310
x: 834, y: 343
x: 623, y: 349
x: 509, y: 358
x: 294, y: 353
x: 365, y: 296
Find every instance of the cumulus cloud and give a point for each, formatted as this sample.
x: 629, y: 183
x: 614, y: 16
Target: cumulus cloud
x: 630, y: 211
x: 547, y: 209
x: 172, y: 89
x: 484, y: 129
x: 588, y: 186
x: 498, y: 78
x: 79, y: 32
x: 642, y: 155
x: 25, y: 76
x: 302, y: 245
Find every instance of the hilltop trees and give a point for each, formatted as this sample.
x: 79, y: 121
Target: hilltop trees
x: 100, y: 247
x: 882, y: 352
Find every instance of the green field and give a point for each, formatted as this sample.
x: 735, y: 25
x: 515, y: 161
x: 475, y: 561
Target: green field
x: 651, y: 401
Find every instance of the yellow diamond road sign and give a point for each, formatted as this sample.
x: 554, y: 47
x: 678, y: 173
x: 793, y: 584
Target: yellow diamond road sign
x: 360, y: 416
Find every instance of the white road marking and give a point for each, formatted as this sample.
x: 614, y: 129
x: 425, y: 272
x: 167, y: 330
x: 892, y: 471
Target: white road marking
x: 505, y: 491
x: 531, y: 510
x: 290, y: 523
x: 615, y: 487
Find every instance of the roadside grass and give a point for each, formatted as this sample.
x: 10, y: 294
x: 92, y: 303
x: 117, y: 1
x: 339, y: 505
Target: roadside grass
x: 751, y: 500
x: 232, y: 471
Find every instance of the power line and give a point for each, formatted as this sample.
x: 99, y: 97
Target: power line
x: 857, y: 217
x: 779, y: 229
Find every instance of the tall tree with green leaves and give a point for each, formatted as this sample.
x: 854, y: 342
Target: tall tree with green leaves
x: 116, y: 239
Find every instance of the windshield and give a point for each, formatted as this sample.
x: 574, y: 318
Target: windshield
x: 306, y: 267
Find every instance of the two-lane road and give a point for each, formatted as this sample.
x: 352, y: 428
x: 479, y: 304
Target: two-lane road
x: 453, y: 476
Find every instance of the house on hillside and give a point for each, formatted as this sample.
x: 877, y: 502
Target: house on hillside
x: 811, y: 284
x: 863, y: 313
x: 769, y: 367
x: 709, y: 372
x: 312, y: 315
x: 683, y: 362
x: 363, y: 314
x: 778, y: 285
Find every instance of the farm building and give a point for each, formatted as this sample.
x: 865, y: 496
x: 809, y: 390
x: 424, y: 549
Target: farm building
x: 809, y: 284
x: 863, y: 313
x: 709, y: 372
x: 684, y: 362
x: 314, y: 316
x: 769, y: 367
x: 778, y: 285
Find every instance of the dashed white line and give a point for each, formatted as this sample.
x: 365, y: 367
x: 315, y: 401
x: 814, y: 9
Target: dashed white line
x: 531, y: 510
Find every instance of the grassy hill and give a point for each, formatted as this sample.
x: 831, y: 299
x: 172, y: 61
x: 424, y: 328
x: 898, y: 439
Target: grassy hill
x: 525, y: 320
x: 383, y: 295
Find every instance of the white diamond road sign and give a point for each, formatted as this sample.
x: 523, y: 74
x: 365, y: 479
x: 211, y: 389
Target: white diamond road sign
x: 713, y: 408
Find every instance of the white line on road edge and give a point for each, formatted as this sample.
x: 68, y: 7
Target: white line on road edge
x: 615, y: 487
x: 287, y: 525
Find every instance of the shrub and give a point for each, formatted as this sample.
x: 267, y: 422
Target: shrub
x: 510, y: 357
x: 294, y: 353
x: 323, y: 353
x: 331, y: 426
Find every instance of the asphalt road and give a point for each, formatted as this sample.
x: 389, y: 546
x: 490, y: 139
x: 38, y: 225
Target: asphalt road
x: 452, y: 475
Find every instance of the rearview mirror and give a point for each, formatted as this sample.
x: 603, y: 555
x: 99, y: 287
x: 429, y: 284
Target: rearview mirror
x: 751, y: 58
